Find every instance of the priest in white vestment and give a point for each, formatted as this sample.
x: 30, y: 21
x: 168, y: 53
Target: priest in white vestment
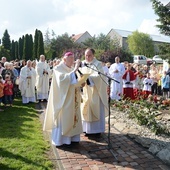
x: 63, y: 108
x: 42, y: 80
x: 116, y: 72
x: 27, y: 83
x: 95, y: 99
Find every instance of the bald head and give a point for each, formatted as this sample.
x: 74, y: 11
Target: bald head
x: 42, y: 58
x: 29, y: 63
x: 117, y: 59
x: 3, y: 59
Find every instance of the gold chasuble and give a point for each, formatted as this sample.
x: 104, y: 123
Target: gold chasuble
x: 64, y: 103
x: 93, y: 95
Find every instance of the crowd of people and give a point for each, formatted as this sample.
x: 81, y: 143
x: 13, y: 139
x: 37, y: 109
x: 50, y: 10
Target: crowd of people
x: 133, y: 81
x: 76, y: 91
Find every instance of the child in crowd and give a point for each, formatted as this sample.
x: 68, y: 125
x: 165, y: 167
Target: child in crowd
x: 138, y: 83
x: 147, y: 86
x: 8, y: 90
x: 1, y: 90
x: 128, y: 80
x: 165, y: 84
x: 154, y: 76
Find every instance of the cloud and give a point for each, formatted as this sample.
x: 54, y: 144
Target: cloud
x: 75, y: 16
x: 93, y: 16
x: 24, y: 15
x: 149, y: 27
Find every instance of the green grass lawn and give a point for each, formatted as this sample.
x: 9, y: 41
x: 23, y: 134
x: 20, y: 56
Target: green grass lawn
x: 22, y: 145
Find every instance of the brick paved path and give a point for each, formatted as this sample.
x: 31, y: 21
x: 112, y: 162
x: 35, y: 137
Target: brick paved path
x: 129, y: 155
x: 84, y: 156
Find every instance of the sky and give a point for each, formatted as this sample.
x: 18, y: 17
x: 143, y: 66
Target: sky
x: 22, y: 17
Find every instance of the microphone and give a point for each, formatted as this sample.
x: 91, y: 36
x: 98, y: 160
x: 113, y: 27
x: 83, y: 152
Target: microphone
x: 81, y: 74
x: 85, y: 64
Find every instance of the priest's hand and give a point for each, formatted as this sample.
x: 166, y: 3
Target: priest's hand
x: 77, y: 65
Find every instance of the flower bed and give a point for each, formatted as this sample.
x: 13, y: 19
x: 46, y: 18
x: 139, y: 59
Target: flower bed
x: 147, y: 112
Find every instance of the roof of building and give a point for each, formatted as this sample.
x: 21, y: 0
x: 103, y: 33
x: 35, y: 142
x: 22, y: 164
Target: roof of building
x: 156, y: 38
x: 76, y: 37
x: 168, y: 5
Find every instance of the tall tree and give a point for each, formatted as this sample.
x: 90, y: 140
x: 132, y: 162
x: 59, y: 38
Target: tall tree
x: 16, y: 50
x: 20, y: 47
x: 47, y: 44
x: 40, y: 49
x: 30, y: 47
x: 163, y: 12
x: 103, y: 42
x: 12, y: 49
x: 26, y: 47
x: 35, y: 46
x: 53, y: 34
x: 47, y: 39
x: 61, y: 44
x: 6, y: 42
x: 141, y: 43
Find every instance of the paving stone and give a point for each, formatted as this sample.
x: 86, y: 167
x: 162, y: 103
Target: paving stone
x: 128, y: 159
x: 133, y: 156
x: 134, y: 163
x: 130, y: 156
x: 124, y: 163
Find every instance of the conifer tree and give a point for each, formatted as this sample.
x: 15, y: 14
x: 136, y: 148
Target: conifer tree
x: 35, y: 46
x: 47, y: 39
x: 40, y: 49
x: 6, y: 42
x: 16, y: 50
x: 12, y: 49
x: 26, y: 47
x: 163, y: 12
x: 20, y: 47
x: 30, y: 47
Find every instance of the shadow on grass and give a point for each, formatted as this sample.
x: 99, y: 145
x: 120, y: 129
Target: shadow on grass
x: 5, y: 167
x: 4, y: 153
x: 22, y: 145
x: 15, y: 120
